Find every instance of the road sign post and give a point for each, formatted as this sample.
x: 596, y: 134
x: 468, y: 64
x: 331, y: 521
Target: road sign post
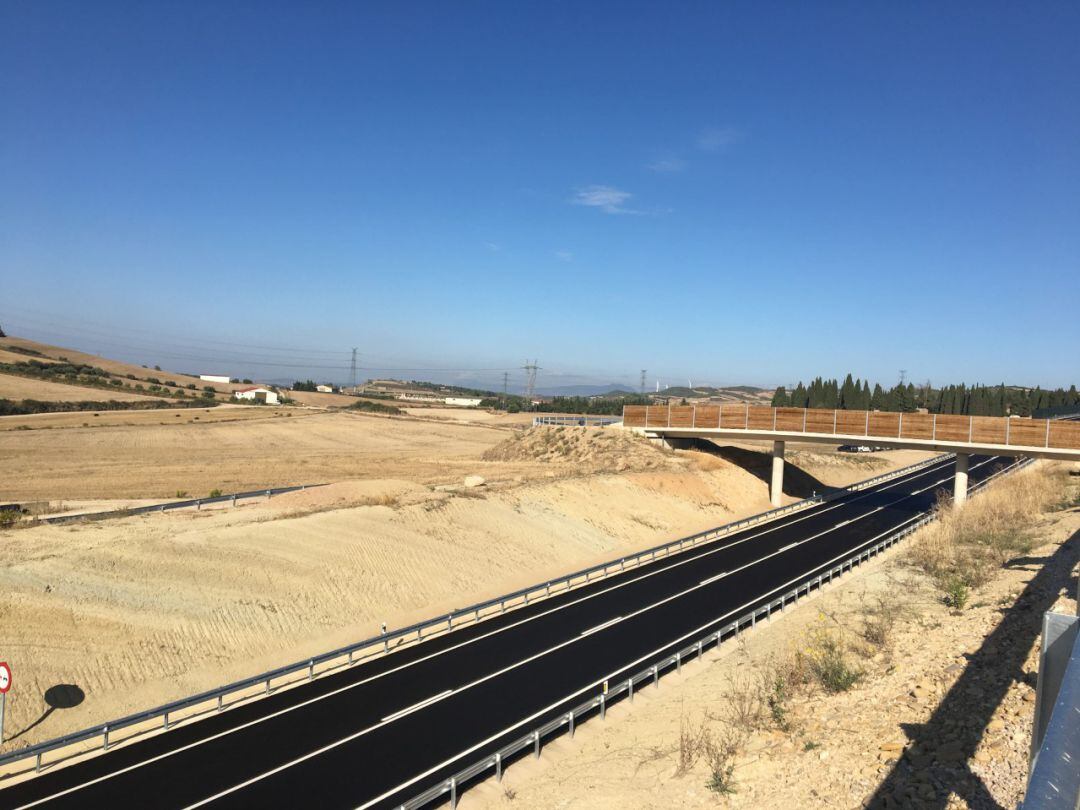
x: 5, y: 684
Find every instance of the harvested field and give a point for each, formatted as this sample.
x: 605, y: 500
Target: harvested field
x: 138, y: 416
x: 15, y: 387
x: 198, y: 454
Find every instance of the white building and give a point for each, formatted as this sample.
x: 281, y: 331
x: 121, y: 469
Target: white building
x: 257, y: 393
x: 463, y: 402
x: 214, y: 378
x: 324, y: 389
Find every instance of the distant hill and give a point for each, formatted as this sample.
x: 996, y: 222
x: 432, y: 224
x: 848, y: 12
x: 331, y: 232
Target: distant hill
x: 583, y: 391
x: 742, y: 393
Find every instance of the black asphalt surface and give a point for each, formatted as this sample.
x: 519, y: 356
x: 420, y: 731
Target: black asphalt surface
x: 336, y: 743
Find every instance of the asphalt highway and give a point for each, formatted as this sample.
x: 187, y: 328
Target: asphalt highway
x: 377, y: 733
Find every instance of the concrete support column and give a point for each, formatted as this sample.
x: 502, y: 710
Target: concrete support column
x: 776, y: 490
x: 960, y: 485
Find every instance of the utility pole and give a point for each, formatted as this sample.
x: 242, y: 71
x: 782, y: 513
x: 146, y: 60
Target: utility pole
x: 352, y: 371
x: 506, y: 383
x: 530, y: 370
x: 643, y: 382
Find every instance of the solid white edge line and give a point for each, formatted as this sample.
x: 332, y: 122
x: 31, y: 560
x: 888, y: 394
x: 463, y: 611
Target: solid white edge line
x: 769, y: 528
x: 714, y: 579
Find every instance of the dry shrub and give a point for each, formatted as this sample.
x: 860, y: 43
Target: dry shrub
x: 746, y: 708
x: 692, y: 740
x: 721, y: 748
x: 964, y: 548
x: 826, y: 658
x: 879, y: 618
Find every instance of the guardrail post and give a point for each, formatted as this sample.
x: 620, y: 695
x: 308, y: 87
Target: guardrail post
x: 220, y: 702
x: 630, y: 683
x: 104, y: 747
x: 198, y: 505
x: 453, y: 793
x: 268, y: 494
x: 536, y: 743
x: 570, y: 720
x: 498, y: 767
x: 166, y: 720
x: 268, y: 686
x: 37, y: 763
x: 678, y: 662
x: 311, y: 670
x: 655, y: 676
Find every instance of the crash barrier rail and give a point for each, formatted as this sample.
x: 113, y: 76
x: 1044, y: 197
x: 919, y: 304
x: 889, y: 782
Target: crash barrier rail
x: 1054, y: 777
x: 1061, y: 434
x: 198, y: 503
x: 576, y: 421
x: 214, y: 700
x: 598, y: 704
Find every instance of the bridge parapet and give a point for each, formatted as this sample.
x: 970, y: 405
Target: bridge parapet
x: 979, y: 430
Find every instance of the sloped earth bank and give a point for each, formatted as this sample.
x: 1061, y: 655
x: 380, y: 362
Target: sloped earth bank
x: 941, y: 716
x: 143, y: 610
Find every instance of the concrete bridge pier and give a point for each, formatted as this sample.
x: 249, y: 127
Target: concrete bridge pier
x: 960, y: 484
x: 776, y: 489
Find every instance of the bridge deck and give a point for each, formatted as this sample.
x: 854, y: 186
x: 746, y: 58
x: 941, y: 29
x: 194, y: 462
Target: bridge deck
x: 1044, y: 438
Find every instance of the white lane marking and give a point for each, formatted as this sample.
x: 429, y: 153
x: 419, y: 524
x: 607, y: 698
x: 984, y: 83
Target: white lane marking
x: 417, y: 706
x: 845, y: 523
x: 651, y: 655
x: 584, y: 597
x: 713, y: 579
x: 603, y: 626
x: 536, y: 656
x: 792, y: 545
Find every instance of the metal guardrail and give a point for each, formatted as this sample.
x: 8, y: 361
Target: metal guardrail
x: 198, y: 503
x: 576, y: 421
x: 599, y: 703
x: 1054, y: 778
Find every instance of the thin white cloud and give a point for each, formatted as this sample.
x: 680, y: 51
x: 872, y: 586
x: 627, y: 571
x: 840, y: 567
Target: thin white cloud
x: 493, y: 247
x: 564, y: 255
x: 667, y: 165
x: 607, y: 198
x: 718, y: 138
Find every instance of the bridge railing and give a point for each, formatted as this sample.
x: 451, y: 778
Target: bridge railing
x: 995, y: 430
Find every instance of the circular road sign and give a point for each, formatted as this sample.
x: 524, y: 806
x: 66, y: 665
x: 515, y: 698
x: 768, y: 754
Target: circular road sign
x: 5, y: 677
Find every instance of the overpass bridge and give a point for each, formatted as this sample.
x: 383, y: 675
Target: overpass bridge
x: 944, y: 433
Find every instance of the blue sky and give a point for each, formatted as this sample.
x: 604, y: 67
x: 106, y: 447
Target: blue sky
x: 736, y: 193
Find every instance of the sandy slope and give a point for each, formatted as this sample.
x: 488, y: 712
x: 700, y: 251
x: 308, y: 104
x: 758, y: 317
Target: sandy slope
x: 15, y: 387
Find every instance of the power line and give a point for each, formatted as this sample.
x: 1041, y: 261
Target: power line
x: 530, y: 370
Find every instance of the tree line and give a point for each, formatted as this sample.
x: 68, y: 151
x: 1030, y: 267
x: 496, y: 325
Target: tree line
x: 975, y: 400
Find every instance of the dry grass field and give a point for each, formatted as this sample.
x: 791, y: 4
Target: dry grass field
x: 197, y: 453
x: 14, y: 387
x: 140, y: 417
